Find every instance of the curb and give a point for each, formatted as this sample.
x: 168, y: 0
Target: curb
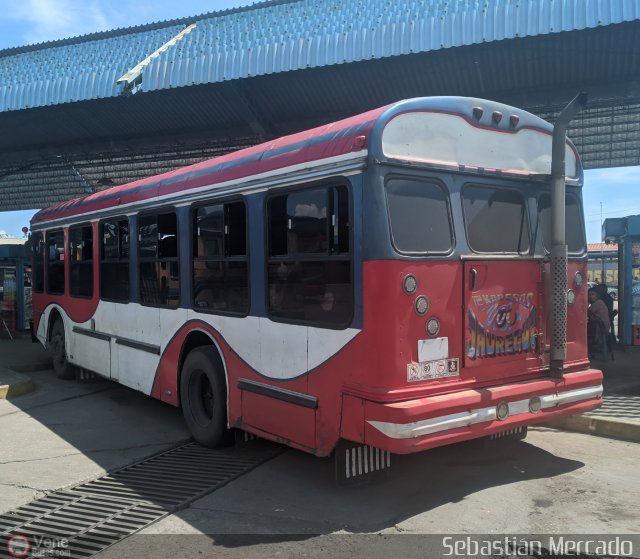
x: 598, y: 426
x: 14, y: 384
x: 30, y: 367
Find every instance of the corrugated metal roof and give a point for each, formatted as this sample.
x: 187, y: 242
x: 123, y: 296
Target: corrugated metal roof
x: 314, y: 33
x: 74, y: 73
x: 285, y: 36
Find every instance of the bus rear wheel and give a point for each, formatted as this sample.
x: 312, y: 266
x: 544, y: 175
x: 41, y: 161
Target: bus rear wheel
x: 61, y: 366
x: 203, y: 397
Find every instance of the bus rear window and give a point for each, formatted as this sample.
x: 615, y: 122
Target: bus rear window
x: 418, y: 216
x: 495, y: 220
x: 574, y: 231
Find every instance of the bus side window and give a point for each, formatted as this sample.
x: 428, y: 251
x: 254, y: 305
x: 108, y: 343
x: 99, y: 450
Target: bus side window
x: 38, y: 262
x: 114, y: 260
x: 309, y: 260
x: 220, y: 266
x: 81, y: 261
x: 55, y: 262
x: 158, y: 262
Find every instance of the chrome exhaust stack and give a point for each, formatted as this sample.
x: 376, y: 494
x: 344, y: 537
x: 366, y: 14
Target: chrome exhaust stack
x: 559, y: 248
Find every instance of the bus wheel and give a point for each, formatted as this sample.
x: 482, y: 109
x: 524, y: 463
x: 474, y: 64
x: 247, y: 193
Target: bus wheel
x: 203, y: 397
x: 61, y: 366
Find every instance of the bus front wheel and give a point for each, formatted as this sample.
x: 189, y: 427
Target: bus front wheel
x: 203, y: 396
x: 61, y: 366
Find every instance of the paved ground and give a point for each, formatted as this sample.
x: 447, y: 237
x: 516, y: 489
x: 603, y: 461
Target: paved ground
x: 554, y: 482
x: 619, y: 416
x: 66, y: 432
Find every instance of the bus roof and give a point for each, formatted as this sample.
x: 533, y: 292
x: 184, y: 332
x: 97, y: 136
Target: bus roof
x: 360, y: 134
x: 330, y: 140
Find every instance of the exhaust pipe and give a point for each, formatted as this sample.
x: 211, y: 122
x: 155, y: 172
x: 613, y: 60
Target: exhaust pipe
x: 559, y: 248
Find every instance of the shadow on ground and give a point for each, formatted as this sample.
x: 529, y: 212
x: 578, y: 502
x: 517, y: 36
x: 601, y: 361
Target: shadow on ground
x: 68, y: 432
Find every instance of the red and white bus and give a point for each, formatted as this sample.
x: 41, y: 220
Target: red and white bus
x: 382, y: 280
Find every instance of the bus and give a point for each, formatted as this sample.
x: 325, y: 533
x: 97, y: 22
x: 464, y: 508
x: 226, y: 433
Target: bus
x: 378, y: 285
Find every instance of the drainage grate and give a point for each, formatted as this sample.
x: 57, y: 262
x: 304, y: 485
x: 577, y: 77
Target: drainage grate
x: 83, y: 520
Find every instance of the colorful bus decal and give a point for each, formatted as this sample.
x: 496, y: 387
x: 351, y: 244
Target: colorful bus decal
x: 500, y: 324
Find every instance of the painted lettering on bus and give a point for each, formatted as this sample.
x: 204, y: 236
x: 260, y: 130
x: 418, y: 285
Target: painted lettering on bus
x: 500, y: 324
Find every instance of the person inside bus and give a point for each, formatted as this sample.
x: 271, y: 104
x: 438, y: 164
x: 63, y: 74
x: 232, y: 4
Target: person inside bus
x: 598, y: 326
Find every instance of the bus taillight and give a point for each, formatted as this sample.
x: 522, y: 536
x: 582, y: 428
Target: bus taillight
x: 410, y: 284
x: 433, y: 327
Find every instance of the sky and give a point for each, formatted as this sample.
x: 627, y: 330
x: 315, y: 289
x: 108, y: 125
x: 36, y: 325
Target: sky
x: 24, y: 22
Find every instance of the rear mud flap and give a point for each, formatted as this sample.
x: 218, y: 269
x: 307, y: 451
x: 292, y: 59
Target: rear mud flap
x: 514, y: 434
x: 357, y: 464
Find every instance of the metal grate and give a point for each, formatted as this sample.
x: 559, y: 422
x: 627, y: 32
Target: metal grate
x: 559, y: 295
x: 83, y: 520
x: 515, y: 433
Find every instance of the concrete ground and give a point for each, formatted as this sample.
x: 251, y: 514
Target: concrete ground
x: 554, y: 482
x: 66, y: 432
x: 619, y: 416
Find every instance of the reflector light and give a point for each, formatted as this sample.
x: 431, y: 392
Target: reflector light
x: 433, y: 327
x: 410, y: 284
x: 578, y: 280
x: 502, y: 411
x: 535, y: 404
x: 571, y: 296
x: 360, y: 141
x: 422, y: 305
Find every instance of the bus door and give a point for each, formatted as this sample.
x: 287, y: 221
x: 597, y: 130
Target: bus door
x: 502, y: 310
x: 503, y: 289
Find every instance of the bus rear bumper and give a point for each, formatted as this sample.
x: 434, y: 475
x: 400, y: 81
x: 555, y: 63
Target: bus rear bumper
x: 415, y: 425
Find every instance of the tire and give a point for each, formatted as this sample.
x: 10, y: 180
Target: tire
x: 203, y: 397
x: 61, y: 366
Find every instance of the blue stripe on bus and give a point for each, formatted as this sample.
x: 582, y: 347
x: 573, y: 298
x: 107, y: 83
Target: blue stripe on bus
x: 183, y: 215
x: 257, y: 254
x: 134, y: 274
x: 357, y: 232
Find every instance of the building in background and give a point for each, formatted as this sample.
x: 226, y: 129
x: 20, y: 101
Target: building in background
x: 626, y: 232
x: 15, y: 285
x: 603, y: 264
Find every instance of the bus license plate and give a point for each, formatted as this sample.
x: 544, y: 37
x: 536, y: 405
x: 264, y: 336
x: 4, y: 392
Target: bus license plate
x: 425, y: 370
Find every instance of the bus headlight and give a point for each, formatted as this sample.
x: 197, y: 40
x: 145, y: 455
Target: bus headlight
x: 571, y: 296
x: 410, y: 284
x: 578, y: 280
x: 422, y: 305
